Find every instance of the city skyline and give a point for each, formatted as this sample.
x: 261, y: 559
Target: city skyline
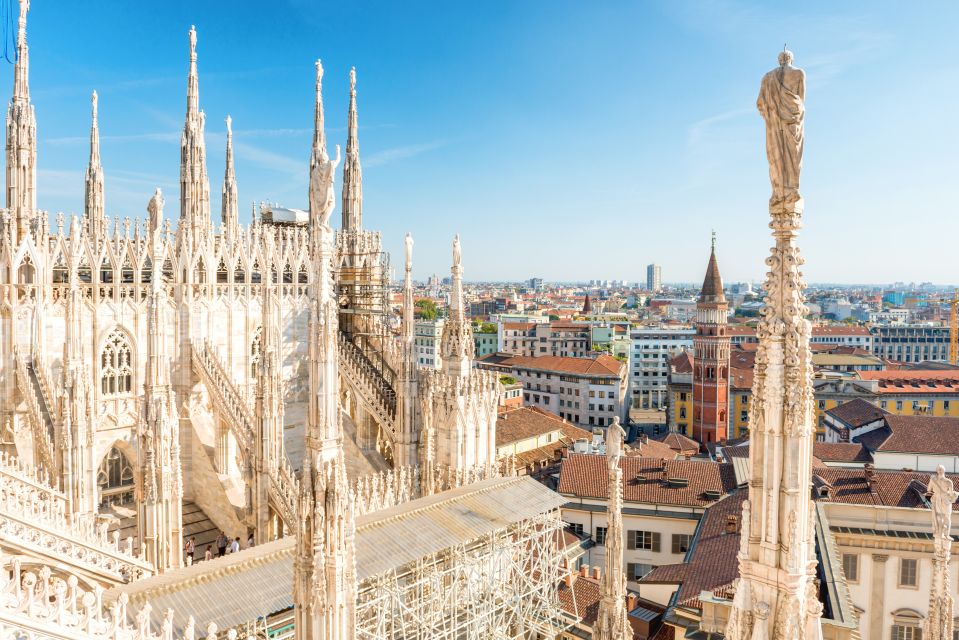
x: 658, y: 98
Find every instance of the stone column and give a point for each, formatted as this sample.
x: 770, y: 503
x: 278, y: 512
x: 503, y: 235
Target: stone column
x: 877, y: 609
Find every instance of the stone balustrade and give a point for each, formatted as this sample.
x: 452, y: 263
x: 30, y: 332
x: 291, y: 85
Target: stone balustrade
x: 34, y: 518
x: 40, y: 428
x: 378, y: 397
x: 225, y: 394
x: 284, y: 489
x: 15, y: 471
x: 40, y: 605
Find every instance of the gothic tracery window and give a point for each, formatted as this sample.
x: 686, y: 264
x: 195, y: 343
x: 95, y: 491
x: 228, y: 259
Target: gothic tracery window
x: 116, y: 365
x: 115, y: 479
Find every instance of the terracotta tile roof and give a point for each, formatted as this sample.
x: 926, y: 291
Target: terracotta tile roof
x: 712, y: 560
x: 667, y: 574
x: 518, y: 326
x: 905, y: 381
x: 841, y: 452
x: 680, y: 443
x: 712, y: 291
x: 644, y: 480
x: 856, y: 413
x: 821, y: 330
x: 521, y: 423
x: 603, y: 365
x: 651, y: 449
x: 887, y: 488
x: 682, y: 362
x: 581, y: 601
x: 910, y: 374
x: 922, y: 434
x: 740, y: 379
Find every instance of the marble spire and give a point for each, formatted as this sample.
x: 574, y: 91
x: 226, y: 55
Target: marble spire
x: 22, y: 137
x: 942, y: 496
x: 321, y: 167
x: 405, y: 449
x: 324, y: 570
x: 352, y: 173
x: 194, y: 182
x: 776, y: 594
x: 611, y: 621
x: 160, y: 521
x: 230, y: 206
x: 93, y: 209
x: 456, y: 343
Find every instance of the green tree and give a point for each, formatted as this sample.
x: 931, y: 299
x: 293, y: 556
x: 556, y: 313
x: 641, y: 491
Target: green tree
x: 425, y: 309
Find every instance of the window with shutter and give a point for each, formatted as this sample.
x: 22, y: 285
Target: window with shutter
x: 655, y: 545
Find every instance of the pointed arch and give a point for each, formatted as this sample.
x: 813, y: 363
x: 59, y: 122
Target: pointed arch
x: 222, y: 275
x: 115, y: 478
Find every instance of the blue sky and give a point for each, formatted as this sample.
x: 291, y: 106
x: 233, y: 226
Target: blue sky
x: 568, y: 140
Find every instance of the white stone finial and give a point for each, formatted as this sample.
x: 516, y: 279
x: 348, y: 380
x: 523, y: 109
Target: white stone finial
x: 193, y: 43
x: 409, y: 252
x: 93, y: 101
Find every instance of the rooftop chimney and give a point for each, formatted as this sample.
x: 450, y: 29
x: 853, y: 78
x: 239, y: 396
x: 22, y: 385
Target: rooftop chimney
x: 732, y: 524
x: 584, y: 570
x: 596, y: 573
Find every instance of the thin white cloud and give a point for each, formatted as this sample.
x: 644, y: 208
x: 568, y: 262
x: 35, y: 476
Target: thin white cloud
x: 386, y: 156
x: 697, y: 130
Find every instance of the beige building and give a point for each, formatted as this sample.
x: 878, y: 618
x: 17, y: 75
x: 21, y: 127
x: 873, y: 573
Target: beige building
x: 588, y: 392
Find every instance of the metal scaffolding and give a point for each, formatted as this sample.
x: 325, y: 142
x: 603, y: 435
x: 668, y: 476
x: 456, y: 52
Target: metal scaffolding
x: 502, y: 586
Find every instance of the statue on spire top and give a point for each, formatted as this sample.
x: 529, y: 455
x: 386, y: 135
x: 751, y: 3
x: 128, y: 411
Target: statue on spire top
x: 781, y: 103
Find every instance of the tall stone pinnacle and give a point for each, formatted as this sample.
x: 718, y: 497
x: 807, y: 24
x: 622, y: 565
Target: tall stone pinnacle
x: 352, y: 173
x: 22, y: 137
x: 230, y: 205
x: 21, y: 72
x: 194, y: 183
x: 611, y: 622
x: 93, y: 209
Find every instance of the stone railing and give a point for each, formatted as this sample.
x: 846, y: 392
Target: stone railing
x: 285, y: 491
x: 40, y: 424
x: 14, y: 472
x: 225, y: 395
x: 33, y: 520
x: 40, y: 605
x: 376, y: 393
x: 46, y: 388
x: 227, y: 398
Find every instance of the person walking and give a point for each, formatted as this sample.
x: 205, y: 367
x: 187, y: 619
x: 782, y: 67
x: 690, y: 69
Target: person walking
x: 209, y: 552
x: 190, y: 549
x: 249, y: 541
x: 221, y: 542
x: 235, y: 545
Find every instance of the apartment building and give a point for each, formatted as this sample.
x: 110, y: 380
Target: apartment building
x: 651, y: 351
x: 588, y: 392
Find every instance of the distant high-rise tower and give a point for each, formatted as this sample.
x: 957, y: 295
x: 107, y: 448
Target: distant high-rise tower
x: 711, y: 346
x: 654, y: 278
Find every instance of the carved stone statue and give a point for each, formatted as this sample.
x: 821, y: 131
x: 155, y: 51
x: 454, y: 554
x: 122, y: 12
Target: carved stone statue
x: 943, y: 497
x: 614, y: 442
x: 457, y: 252
x: 155, y: 209
x: 321, y: 189
x: 781, y: 103
x: 409, y: 251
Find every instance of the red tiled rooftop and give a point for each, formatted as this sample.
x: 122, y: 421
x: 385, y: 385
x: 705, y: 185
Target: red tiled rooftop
x: 645, y: 479
x: 603, y: 365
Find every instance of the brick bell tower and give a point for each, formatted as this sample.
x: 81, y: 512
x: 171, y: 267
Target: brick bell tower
x: 711, y: 347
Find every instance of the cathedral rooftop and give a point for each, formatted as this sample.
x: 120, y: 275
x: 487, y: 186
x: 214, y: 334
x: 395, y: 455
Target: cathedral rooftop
x: 241, y: 587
